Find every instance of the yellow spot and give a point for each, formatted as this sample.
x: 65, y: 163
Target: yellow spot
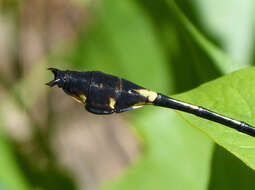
x: 139, y: 104
x: 148, y: 94
x: 81, y: 99
x: 112, y: 103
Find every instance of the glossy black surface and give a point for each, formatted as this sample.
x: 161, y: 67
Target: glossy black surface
x: 99, y: 88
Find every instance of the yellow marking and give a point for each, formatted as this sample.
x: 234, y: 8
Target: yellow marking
x: 112, y: 103
x: 81, y: 99
x: 148, y: 94
x: 139, y: 104
x: 77, y: 99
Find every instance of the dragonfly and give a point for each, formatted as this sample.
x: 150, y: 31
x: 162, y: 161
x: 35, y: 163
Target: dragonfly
x: 103, y: 93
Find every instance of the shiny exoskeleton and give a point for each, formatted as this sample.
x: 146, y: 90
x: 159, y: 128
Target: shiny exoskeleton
x: 102, y: 93
x: 106, y: 94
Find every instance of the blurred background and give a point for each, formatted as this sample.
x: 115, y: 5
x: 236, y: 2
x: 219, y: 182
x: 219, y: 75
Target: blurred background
x: 48, y: 141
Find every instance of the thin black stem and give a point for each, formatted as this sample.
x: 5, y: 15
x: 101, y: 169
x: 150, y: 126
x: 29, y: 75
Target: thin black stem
x: 240, y: 126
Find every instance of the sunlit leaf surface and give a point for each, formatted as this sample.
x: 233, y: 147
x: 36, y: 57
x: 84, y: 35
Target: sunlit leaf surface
x: 232, y: 95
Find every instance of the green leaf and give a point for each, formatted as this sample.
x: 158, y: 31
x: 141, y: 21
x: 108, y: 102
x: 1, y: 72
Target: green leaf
x: 232, y: 95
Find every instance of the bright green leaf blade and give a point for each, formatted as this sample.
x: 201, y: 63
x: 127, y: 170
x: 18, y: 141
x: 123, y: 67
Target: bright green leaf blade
x: 232, y: 95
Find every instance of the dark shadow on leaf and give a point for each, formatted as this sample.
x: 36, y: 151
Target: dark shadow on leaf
x: 228, y: 172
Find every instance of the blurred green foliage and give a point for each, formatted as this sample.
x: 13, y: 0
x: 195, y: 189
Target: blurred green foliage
x: 166, y: 46
x: 10, y: 175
